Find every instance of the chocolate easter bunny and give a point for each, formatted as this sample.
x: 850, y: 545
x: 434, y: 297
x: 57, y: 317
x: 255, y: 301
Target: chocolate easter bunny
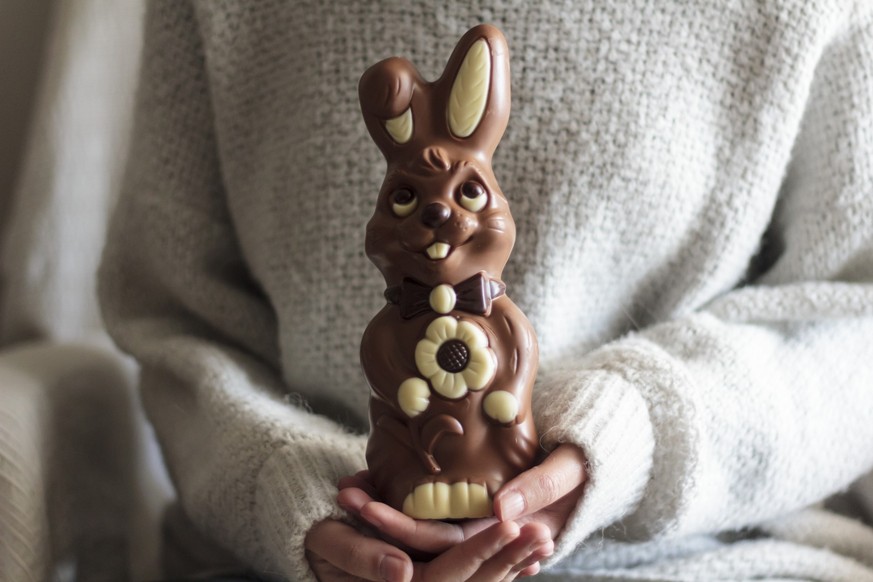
x: 450, y: 359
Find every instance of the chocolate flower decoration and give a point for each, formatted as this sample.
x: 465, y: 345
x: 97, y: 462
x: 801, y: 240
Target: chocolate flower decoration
x: 454, y: 355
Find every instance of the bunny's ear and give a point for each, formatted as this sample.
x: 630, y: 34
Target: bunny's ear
x: 386, y: 93
x: 475, y: 86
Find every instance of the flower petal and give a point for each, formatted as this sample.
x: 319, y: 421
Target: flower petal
x: 480, y: 369
x: 471, y: 334
x: 449, y: 385
x: 441, y: 329
x: 425, y: 357
x: 441, y: 382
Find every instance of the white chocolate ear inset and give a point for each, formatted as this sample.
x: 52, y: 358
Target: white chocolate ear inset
x: 400, y: 127
x: 470, y: 91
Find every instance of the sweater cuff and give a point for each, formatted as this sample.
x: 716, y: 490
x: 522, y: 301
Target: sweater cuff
x: 296, y: 488
x: 602, y: 412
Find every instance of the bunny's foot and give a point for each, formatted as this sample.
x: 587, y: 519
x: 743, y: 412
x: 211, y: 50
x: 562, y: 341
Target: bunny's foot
x: 459, y: 500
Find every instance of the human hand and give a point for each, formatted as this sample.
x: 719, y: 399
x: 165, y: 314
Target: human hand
x: 546, y: 496
x: 339, y: 553
x: 546, y: 493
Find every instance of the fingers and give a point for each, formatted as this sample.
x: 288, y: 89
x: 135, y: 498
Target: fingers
x: 540, y: 551
x: 531, y: 570
x: 361, y: 480
x: 430, y: 536
x: 501, y: 552
x: 530, y: 566
x: 356, y: 554
x: 519, y: 558
x: 561, y: 472
x: 352, y: 499
x: 533, y: 544
x: 464, y: 560
x: 497, y: 553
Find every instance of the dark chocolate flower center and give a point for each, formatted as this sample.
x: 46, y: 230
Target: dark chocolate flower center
x: 453, y: 356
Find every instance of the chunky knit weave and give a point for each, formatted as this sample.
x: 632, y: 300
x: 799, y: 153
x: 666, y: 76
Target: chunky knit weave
x: 691, y: 184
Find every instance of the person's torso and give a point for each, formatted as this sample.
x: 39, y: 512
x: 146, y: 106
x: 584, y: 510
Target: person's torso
x: 643, y: 159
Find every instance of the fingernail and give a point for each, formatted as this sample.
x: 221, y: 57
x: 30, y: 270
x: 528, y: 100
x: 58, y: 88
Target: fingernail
x: 392, y: 569
x: 511, y: 506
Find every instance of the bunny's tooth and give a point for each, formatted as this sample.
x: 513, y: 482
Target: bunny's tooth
x: 438, y: 250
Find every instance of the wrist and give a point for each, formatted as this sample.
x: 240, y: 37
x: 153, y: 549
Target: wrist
x: 296, y: 489
x: 602, y: 413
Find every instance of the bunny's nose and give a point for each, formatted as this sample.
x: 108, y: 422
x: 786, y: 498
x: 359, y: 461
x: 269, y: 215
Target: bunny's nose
x: 435, y: 214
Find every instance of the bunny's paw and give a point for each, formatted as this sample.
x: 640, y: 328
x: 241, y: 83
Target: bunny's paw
x: 502, y: 406
x: 413, y: 396
x: 460, y: 500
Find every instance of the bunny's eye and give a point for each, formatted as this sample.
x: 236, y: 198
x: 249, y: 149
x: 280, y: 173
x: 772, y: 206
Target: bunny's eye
x: 403, y: 202
x: 473, y: 196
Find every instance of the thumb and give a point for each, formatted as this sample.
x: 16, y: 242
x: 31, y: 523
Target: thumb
x: 559, y: 474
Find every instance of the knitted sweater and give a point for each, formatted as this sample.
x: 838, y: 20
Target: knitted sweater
x: 691, y: 187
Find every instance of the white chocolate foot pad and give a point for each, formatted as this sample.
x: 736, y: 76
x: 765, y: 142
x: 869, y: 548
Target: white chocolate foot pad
x: 444, y: 501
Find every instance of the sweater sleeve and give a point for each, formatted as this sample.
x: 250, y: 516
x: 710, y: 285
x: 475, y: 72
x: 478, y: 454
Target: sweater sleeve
x: 760, y: 402
x: 252, y: 469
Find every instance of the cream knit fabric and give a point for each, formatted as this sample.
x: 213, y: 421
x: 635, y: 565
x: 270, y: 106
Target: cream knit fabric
x: 66, y: 473
x: 692, y: 188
